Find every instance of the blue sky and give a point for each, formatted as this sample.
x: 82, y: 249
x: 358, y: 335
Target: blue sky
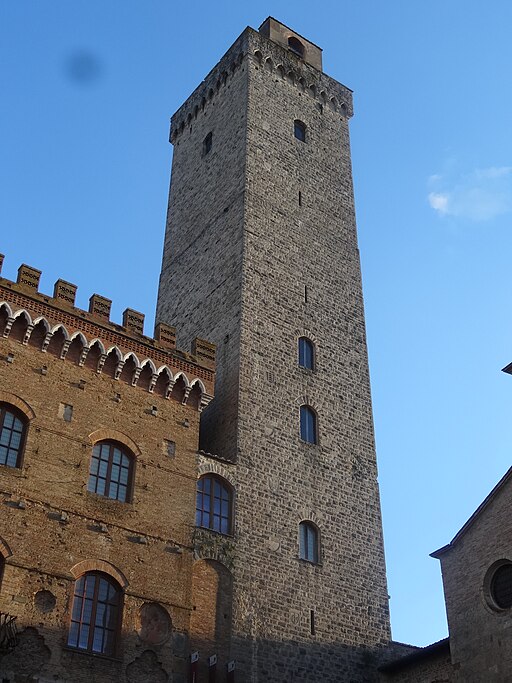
x: 87, y: 91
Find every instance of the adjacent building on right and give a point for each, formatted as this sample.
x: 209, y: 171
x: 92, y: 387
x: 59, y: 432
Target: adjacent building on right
x: 477, y: 580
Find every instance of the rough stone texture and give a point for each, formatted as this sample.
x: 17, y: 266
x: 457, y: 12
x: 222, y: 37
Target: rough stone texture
x: 52, y: 529
x: 422, y: 665
x: 438, y: 669
x: 146, y: 669
x: 239, y: 252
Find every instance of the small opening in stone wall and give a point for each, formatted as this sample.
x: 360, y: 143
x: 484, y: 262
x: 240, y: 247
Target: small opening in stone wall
x: 207, y: 144
x: 170, y: 448
x: 300, y: 198
x: 66, y: 412
x: 305, y: 294
x: 312, y: 621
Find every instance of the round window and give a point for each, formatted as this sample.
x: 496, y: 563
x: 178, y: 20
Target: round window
x: 501, y: 586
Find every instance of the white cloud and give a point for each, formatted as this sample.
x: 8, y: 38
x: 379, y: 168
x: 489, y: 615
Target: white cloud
x: 438, y: 201
x: 480, y: 195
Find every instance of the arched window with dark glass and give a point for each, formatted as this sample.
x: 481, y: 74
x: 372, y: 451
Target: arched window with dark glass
x: 96, y: 614
x: 308, y: 426
x: 214, y: 504
x: 306, y: 353
x: 299, y: 130
x: 13, y: 430
x: 296, y: 46
x: 111, y: 471
x: 308, y: 542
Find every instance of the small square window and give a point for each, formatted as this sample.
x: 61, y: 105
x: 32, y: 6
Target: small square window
x: 170, y: 448
x: 66, y: 412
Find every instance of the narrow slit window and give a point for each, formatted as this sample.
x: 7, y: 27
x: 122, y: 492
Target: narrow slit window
x: 300, y: 198
x: 207, y: 144
x: 306, y: 353
x: 308, y: 547
x: 308, y: 426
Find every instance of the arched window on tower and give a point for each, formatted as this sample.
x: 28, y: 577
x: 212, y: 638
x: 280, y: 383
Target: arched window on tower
x: 308, y: 542
x: 296, y: 46
x: 299, y: 130
x: 308, y: 425
x: 306, y: 353
x: 111, y: 471
x: 96, y: 614
x: 13, y: 431
x: 214, y: 504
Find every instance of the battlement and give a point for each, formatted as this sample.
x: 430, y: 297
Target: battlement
x: 268, y: 48
x: 54, y: 324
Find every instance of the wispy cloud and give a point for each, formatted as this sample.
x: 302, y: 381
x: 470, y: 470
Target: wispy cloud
x: 479, y: 196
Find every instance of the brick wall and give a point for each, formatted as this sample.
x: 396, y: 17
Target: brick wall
x: 53, y: 530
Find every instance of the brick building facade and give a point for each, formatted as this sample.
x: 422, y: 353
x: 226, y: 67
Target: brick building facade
x: 98, y: 469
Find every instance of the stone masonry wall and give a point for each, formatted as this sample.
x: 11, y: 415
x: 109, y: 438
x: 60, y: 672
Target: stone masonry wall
x: 480, y: 633
x: 258, y: 256
x: 200, y: 282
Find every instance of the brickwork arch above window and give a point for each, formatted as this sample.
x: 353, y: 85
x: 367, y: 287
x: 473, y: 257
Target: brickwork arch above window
x: 5, y: 551
x: 95, y: 565
x: 19, y: 403
x: 106, y: 434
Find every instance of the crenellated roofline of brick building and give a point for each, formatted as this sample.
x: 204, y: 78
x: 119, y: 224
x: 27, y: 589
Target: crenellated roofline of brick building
x: 58, y: 314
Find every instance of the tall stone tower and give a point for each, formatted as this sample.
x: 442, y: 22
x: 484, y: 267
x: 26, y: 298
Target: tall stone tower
x: 261, y: 258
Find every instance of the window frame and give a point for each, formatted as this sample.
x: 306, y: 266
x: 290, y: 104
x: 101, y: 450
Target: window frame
x: 308, y: 343
x: 306, y: 409
x: 201, y: 511
x: 125, y: 451
x: 299, y: 130
x: 17, y: 414
x: 117, y: 627
x: 307, y: 527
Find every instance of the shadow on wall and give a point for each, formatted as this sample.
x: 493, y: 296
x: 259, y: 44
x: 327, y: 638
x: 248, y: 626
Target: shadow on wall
x: 260, y: 661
